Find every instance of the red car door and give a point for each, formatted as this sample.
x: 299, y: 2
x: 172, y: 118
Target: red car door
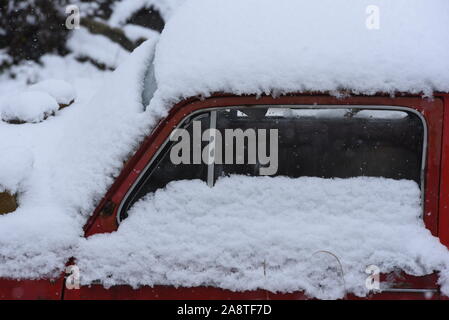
x: 106, y: 217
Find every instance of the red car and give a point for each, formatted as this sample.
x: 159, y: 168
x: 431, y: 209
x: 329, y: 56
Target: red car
x: 111, y: 210
x: 354, y: 114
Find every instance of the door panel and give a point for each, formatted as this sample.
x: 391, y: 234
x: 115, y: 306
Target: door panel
x: 432, y: 111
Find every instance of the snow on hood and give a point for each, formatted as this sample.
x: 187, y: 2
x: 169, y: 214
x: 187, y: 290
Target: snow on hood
x: 70, y: 161
x: 261, y: 46
x: 29, y: 106
x: 62, y: 91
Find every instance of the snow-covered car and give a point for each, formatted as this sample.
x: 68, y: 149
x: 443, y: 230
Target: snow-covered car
x: 241, y: 159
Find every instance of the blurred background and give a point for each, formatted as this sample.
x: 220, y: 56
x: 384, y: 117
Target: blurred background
x: 36, y: 45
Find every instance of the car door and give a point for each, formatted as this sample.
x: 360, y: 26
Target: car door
x: 335, y: 141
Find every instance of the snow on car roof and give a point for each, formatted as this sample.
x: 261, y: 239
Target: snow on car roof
x: 262, y: 46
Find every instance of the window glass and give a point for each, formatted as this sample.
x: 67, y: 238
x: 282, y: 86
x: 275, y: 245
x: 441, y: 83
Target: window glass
x: 163, y: 171
x: 150, y: 86
x: 331, y: 143
x: 324, y: 143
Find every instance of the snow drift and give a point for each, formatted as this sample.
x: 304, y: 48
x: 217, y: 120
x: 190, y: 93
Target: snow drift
x: 62, y: 91
x: 249, y: 233
x: 28, y: 106
x: 70, y: 161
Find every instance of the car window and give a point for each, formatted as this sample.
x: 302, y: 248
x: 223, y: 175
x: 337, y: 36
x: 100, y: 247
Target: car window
x: 331, y: 143
x: 164, y: 170
x: 292, y: 142
x: 150, y: 86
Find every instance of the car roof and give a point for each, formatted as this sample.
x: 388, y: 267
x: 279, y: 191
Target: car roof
x: 275, y: 47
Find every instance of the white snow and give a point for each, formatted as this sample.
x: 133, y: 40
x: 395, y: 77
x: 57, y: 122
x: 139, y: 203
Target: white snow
x: 258, y: 46
x: 135, y: 32
x: 75, y: 157
x: 4, y: 57
x: 315, y: 113
x: 61, y: 90
x: 336, y: 113
x: 84, y: 77
x: 278, y: 234
x: 60, y: 168
x: 380, y: 114
x: 28, y: 106
x: 86, y: 45
x: 16, y: 164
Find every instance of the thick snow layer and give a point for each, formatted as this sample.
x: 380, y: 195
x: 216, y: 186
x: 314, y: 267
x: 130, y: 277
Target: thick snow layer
x: 135, y: 32
x: 258, y: 46
x: 84, y: 77
x: 97, y: 47
x: 28, y: 106
x: 61, y: 90
x: 74, y: 158
x: 16, y: 164
x: 279, y: 234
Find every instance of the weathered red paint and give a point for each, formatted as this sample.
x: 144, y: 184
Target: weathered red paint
x: 97, y: 292
x: 31, y: 289
x: 436, y: 205
x: 443, y: 228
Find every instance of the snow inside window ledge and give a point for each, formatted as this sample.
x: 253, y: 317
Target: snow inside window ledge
x: 279, y: 234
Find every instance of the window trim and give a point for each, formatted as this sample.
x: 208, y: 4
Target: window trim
x: 135, y: 186
x: 213, y: 110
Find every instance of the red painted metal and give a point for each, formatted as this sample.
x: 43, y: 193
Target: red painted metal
x: 97, y: 292
x: 443, y: 228
x: 31, y: 289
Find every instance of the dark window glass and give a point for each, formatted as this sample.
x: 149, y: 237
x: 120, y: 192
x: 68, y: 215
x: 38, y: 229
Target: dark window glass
x: 325, y: 143
x: 333, y: 143
x: 162, y: 171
